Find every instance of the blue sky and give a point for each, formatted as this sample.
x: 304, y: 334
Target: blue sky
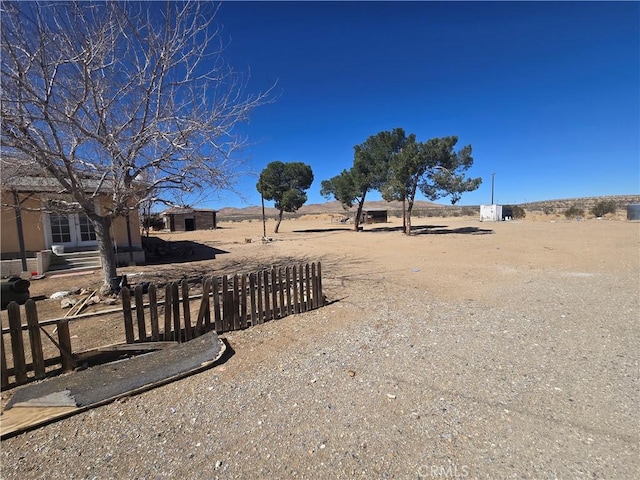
x: 547, y: 94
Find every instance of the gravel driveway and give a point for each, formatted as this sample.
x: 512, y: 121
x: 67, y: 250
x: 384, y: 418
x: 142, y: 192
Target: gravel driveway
x: 507, y: 355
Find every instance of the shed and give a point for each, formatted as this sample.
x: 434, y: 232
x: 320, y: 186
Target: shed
x: 373, y: 216
x: 186, y: 219
x: 491, y: 213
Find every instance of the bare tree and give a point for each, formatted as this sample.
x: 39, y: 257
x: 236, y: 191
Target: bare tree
x: 121, y: 98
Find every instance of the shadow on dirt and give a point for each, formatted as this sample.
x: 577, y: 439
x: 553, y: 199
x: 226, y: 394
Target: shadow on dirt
x: 323, y: 230
x: 159, y: 252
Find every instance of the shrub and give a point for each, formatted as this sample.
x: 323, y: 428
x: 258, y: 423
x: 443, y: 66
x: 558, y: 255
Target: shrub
x: 603, y: 207
x: 547, y: 210
x: 573, y: 212
x: 518, y: 211
x: 153, y: 221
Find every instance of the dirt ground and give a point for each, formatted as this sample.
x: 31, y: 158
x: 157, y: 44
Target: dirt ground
x: 480, y: 349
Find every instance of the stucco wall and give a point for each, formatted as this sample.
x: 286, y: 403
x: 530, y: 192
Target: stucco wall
x: 32, y: 225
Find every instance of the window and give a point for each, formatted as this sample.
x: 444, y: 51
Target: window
x: 87, y: 233
x: 60, y: 229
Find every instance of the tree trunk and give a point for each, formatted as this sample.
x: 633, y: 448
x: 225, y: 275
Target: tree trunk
x: 356, y: 223
x: 407, y: 226
x: 279, y: 220
x: 102, y: 226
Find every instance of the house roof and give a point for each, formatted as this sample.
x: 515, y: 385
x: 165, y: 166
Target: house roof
x: 182, y: 210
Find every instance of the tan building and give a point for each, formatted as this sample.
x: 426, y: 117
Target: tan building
x: 28, y: 203
x: 185, y: 219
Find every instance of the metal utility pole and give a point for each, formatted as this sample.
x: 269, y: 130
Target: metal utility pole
x: 264, y: 221
x: 493, y: 175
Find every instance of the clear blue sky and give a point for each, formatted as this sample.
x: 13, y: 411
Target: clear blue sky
x: 547, y: 94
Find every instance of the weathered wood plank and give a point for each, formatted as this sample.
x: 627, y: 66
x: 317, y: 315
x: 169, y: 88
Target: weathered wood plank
x: 296, y: 298
x: 308, y: 283
x: 17, y: 343
x: 274, y: 292
x: 4, y: 373
x: 252, y: 294
x: 281, y: 293
x: 186, y: 310
x: 37, y: 355
x: 168, y: 305
x: 236, y: 302
x: 227, y: 304
x: 260, y: 297
x: 267, y: 308
x: 125, y: 296
x: 64, y: 341
x: 142, y: 328
x: 204, y: 307
x: 153, y: 313
x: 320, y: 294
x: 243, y: 301
x: 287, y: 286
x: 216, y: 304
x: 314, y: 286
x: 175, y: 305
x: 303, y: 303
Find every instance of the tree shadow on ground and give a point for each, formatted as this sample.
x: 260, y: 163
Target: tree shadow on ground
x: 161, y: 252
x: 324, y: 230
x: 448, y: 231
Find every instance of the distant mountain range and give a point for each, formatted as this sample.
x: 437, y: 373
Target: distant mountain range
x: 421, y: 206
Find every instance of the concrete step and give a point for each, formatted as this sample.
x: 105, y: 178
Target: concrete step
x: 75, y: 261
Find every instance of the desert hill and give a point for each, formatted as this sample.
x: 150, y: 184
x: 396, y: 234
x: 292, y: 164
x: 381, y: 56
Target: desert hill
x: 423, y: 208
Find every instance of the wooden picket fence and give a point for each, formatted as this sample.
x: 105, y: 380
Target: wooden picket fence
x: 227, y: 303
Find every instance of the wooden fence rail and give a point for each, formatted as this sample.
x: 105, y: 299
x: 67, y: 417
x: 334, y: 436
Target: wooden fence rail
x: 227, y: 303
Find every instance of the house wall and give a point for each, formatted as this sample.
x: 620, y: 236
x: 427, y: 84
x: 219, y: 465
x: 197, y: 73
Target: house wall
x: 32, y: 225
x: 119, y: 230
x: 203, y: 220
x: 374, y: 216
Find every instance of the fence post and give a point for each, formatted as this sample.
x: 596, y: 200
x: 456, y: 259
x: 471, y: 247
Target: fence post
x: 274, y: 292
x: 260, y: 296
x: 3, y: 369
x: 252, y: 289
x: 186, y: 309
x: 303, y: 303
x: 126, y: 313
x: 236, y: 302
x: 243, y: 301
x: 227, y: 313
x: 177, y: 331
x: 168, y: 303
x: 142, y: 328
x: 287, y: 275
x: 204, y: 308
x: 216, y: 305
x: 320, y: 294
x: 281, y: 293
x: 17, y: 343
x: 64, y: 340
x: 267, y: 308
x: 314, y: 286
x: 153, y: 313
x: 37, y: 354
x: 308, y: 275
x: 294, y: 281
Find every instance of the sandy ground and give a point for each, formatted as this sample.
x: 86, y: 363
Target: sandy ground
x: 468, y: 350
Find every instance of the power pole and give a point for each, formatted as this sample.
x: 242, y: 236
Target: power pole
x: 493, y: 175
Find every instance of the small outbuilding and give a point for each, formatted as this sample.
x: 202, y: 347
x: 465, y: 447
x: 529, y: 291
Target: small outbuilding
x: 491, y: 213
x: 373, y: 216
x: 186, y: 219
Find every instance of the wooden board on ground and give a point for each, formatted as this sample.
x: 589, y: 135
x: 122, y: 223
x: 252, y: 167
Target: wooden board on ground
x: 59, y: 397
